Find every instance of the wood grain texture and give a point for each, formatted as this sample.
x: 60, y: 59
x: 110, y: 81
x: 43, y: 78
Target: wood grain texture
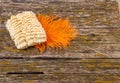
x: 93, y: 57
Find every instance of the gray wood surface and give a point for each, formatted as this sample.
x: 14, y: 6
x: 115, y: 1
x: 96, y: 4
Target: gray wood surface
x: 93, y: 57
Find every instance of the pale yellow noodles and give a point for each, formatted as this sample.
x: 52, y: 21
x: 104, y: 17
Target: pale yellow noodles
x: 25, y: 30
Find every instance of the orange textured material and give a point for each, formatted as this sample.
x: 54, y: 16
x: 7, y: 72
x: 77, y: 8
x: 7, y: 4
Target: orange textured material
x: 59, y: 32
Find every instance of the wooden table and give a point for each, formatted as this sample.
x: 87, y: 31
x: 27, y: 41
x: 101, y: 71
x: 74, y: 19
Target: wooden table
x: 93, y: 57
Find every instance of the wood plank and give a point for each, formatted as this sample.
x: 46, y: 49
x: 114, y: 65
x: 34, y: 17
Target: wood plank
x: 83, y: 47
x: 58, y: 70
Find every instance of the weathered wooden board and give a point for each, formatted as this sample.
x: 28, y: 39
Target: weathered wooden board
x: 93, y: 57
x: 60, y: 70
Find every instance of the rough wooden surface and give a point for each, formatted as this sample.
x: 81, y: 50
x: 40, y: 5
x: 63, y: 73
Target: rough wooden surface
x: 93, y: 57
